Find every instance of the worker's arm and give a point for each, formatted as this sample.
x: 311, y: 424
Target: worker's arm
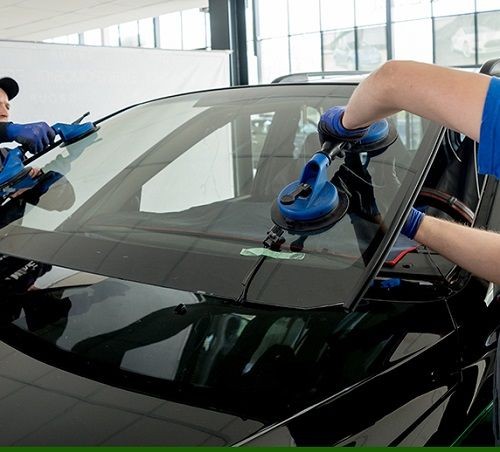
x: 450, y: 97
x: 473, y: 249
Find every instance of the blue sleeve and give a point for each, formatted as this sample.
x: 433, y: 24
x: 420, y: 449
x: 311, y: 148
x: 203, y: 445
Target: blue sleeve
x: 489, y: 136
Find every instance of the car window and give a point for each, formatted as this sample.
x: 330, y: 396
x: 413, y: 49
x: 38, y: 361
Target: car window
x: 174, y: 191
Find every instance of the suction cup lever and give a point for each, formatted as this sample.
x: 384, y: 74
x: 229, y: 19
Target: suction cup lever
x: 303, y: 190
x: 332, y: 150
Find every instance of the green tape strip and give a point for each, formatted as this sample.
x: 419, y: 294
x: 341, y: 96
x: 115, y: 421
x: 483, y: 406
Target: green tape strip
x: 270, y: 253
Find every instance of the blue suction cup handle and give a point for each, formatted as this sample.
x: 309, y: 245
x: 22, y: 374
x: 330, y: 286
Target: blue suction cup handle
x: 313, y: 195
x: 71, y: 132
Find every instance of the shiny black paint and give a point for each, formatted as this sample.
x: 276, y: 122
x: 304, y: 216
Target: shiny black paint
x: 389, y: 373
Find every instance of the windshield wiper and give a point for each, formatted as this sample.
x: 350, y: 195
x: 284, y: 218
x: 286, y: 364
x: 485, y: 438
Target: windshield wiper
x: 273, y: 242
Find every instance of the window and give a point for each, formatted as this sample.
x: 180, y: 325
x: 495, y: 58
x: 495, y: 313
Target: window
x: 485, y: 5
x: 67, y: 39
x: 273, y: 59
x: 304, y: 16
x: 403, y: 39
x: 337, y: 14
x: 92, y: 37
x: 370, y: 12
x: 305, y: 52
x: 170, y: 31
x: 455, y: 40
x: 410, y: 9
x: 339, y: 51
x: 372, y: 47
x: 488, y: 36
x: 273, y: 18
x: 193, y: 29
x: 111, y: 36
x: 447, y: 7
x: 146, y: 33
x: 129, y: 34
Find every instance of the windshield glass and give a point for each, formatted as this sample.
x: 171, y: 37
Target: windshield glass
x: 173, y: 191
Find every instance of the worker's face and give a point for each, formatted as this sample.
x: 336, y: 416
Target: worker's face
x: 4, y: 106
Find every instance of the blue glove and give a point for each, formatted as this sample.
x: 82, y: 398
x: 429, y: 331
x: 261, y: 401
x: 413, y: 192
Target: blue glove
x: 34, y: 137
x: 330, y: 128
x: 412, y: 223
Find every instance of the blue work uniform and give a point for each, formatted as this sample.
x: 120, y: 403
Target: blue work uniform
x: 489, y: 138
x: 489, y: 163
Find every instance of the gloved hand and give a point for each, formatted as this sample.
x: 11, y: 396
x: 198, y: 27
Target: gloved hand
x: 330, y: 128
x: 355, y: 181
x: 412, y: 223
x: 34, y: 137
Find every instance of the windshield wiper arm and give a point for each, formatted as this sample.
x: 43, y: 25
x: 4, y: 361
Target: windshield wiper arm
x: 273, y: 241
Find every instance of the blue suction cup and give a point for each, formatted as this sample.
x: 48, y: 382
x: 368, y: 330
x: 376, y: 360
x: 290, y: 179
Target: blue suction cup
x: 14, y: 175
x: 312, y: 203
x: 71, y: 133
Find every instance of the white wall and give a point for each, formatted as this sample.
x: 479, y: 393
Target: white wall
x: 60, y: 82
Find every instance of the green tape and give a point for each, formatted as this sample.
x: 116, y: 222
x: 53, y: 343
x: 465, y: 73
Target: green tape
x: 270, y: 253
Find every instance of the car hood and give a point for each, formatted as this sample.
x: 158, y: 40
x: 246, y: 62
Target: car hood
x: 118, y: 362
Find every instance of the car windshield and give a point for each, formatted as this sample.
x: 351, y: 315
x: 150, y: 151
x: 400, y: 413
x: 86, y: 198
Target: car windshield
x: 177, y: 192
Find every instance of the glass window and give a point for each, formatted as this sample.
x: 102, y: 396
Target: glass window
x: 130, y: 191
x: 253, y: 68
x: 129, y: 34
x: 486, y: 5
x: 303, y: 16
x: 488, y: 36
x: 146, y: 33
x: 372, y: 47
x: 305, y: 52
x: 455, y: 40
x: 335, y: 14
x: 273, y: 56
x: 170, y: 31
x: 193, y: 29
x: 272, y: 18
x: 339, y: 51
x: 111, y: 36
x: 370, y: 12
x: 249, y: 19
x: 410, y: 9
x: 403, y: 40
x: 67, y: 39
x: 447, y: 7
x: 92, y: 37
x: 207, y: 30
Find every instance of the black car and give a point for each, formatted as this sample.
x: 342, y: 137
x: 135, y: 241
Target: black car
x: 140, y: 307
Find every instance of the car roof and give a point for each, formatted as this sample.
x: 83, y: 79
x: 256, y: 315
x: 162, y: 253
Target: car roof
x: 324, y: 76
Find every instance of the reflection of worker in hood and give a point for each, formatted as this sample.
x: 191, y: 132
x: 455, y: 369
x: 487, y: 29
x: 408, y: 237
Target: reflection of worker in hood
x: 51, y: 191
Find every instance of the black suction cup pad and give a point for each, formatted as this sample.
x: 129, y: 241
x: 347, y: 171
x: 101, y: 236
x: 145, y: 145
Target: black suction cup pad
x: 377, y: 147
x: 313, y: 226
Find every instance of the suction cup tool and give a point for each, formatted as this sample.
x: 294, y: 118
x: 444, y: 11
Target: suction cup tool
x: 379, y: 137
x: 14, y: 175
x: 71, y: 133
x: 311, y: 204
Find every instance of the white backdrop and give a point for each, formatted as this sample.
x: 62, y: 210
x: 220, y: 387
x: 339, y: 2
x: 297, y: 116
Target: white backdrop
x: 60, y: 82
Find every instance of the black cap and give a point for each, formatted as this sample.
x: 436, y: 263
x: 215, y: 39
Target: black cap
x: 10, y: 86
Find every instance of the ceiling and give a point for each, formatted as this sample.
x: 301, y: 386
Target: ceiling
x: 35, y: 20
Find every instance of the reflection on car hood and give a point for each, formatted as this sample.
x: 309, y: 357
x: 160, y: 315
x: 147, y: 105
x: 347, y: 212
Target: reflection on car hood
x: 240, y: 366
